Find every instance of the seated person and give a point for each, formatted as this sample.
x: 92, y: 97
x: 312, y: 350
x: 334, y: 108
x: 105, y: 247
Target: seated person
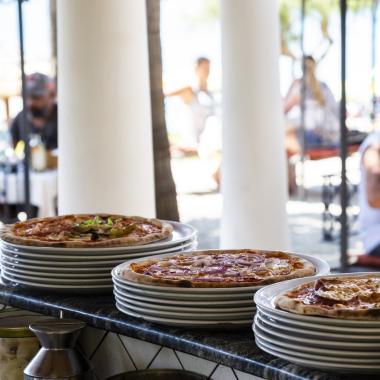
x: 321, y: 121
x: 369, y: 199
x: 41, y: 111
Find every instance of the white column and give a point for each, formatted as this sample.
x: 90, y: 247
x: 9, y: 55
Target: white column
x: 254, y: 165
x: 105, y: 138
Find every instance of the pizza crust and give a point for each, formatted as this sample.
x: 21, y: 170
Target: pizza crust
x: 131, y: 275
x: 8, y: 235
x: 338, y: 310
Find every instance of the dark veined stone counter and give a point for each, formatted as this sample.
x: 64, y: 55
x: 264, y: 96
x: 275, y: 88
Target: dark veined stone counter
x: 235, y: 348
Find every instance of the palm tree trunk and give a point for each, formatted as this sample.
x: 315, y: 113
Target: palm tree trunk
x: 166, y: 196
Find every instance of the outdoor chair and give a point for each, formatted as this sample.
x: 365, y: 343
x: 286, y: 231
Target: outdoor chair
x: 331, y: 190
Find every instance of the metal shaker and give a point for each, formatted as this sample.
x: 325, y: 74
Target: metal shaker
x: 58, y: 358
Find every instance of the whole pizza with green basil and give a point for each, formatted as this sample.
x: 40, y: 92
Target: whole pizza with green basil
x: 87, y: 230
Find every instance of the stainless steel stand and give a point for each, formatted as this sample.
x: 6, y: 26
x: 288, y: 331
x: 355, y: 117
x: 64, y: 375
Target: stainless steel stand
x: 58, y: 359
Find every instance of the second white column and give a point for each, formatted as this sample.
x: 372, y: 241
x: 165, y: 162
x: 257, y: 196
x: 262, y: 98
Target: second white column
x: 253, y: 168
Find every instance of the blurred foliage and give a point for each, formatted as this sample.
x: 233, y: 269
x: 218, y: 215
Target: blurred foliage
x: 319, y: 9
x: 210, y: 11
x: 289, y: 12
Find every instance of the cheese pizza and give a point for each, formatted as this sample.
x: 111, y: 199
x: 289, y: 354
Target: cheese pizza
x: 87, y: 230
x: 218, y: 268
x: 351, y: 297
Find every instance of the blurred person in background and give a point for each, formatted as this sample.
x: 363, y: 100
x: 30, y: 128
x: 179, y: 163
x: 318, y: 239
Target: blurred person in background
x: 321, y: 120
x: 198, y: 97
x: 369, y: 199
x: 41, y: 109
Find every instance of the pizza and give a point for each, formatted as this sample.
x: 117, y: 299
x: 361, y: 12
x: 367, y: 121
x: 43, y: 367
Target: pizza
x: 87, y: 230
x: 218, y: 268
x: 350, y: 297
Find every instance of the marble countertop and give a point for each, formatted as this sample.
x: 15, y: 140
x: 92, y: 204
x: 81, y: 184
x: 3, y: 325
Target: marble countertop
x: 235, y: 348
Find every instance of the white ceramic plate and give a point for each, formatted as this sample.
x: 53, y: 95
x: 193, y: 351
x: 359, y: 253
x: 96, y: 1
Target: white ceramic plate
x: 352, y: 354
x: 275, y: 326
x: 94, y: 263
x: 196, y: 303
x: 305, y: 326
x: 66, y: 263
x: 85, y: 289
x: 325, y: 343
x: 68, y: 274
x: 184, y: 296
x: 56, y: 281
x: 324, y: 365
x: 90, y: 257
x: 265, y: 298
x: 321, y: 268
x: 301, y: 354
x: 188, y: 315
x: 182, y: 309
x: 184, y: 322
x: 181, y: 233
x: 55, y: 269
x: 170, y: 289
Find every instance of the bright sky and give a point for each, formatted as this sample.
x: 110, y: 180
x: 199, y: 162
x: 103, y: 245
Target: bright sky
x: 36, y: 32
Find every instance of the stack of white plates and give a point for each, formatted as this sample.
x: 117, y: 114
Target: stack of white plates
x: 86, y: 270
x: 319, y: 342
x: 191, y: 307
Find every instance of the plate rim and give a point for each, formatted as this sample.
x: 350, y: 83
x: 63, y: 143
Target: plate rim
x: 179, y: 308
x: 319, y: 334
x: 55, y: 281
x: 321, y: 364
x: 265, y: 301
x: 332, y: 351
x: 245, y: 296
x: 323, y: 343
x: 320, y: 327
x: 323, y: 357
x: 121, y: 256
x: 64, y: 287
x: 67, y: 275
x: 184, y: 322
x: 59, y: 269
x: 248, y: 301
x: 324, y: 267
x: 208, y: 316
x: 158, y: 243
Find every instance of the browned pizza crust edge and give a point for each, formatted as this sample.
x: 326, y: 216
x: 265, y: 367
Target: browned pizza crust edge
x: 130, y: 275
x: 284, y: 302
x: 8, y: 236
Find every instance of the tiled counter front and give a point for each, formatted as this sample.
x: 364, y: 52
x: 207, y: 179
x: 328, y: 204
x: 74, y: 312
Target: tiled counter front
x: 116, y: 343
x: 112, y: 353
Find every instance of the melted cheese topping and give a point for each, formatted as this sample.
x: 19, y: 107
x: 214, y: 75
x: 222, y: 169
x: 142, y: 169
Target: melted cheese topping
x: 245, y: 266
x: 362, y: 292
x: 84, y: 228
x: 343, y: 292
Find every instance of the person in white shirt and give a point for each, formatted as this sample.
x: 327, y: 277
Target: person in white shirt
x: 369, y: 195
x: 199, y: 98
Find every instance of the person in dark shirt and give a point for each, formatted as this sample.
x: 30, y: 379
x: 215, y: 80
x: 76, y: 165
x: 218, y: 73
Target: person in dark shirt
x: 42, y: 116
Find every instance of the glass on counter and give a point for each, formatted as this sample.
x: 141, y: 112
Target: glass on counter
x: 37, y: 153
